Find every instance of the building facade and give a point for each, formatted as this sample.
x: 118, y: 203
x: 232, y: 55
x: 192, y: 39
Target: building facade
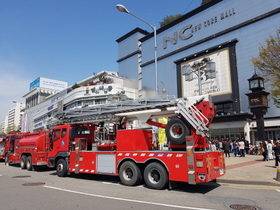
x: 14, y: 117
x: 101, y: 88
x: 41, y: 88
x: 4, y: 125
x: 226, y: 32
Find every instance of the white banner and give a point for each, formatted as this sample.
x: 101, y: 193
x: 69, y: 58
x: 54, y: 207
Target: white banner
x: 220, y: 85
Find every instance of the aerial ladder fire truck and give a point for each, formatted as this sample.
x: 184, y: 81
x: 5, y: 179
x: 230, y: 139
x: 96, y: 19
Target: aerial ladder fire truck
x: 103, y: 140
x: 119, y: 148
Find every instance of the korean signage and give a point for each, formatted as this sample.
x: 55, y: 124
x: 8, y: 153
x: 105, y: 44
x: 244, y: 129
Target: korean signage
x: 48, y: 83
x: 34, y: 84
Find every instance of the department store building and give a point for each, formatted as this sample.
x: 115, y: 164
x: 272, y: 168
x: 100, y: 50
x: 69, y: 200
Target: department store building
x: 48, y: 97
x: 229, y: 32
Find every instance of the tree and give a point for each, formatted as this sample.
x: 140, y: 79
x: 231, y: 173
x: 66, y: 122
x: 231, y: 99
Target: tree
x: 168, y: 19
x: 13, y: 128
x: 268, y: 65
x: 205, y: 1
x: 75, y: 86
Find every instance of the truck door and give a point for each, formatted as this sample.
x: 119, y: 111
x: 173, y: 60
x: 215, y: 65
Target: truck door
x: 58, y: 141
x: 12, y: 142
x: 82, y: 161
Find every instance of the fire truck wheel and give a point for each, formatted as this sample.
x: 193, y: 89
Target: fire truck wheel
x: 29, y: 163
x: 23, y: 162
x: 130, y: 174
x: 176, y: 131
x: 155, y: 176
x: 61, y: 168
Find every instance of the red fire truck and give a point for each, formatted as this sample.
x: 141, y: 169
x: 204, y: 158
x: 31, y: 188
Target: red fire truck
x: 8, y: 143
x: 107, y: 139
x: 2, y: 146
x: 25, y: 148
x: 32, y: 150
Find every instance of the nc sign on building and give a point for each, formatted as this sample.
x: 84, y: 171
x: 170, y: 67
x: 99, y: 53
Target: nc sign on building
x: 48, y: 83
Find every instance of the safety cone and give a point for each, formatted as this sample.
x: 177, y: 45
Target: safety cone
x: 278, y: 174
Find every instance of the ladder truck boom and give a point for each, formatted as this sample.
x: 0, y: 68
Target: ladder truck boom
x: 141, y: 109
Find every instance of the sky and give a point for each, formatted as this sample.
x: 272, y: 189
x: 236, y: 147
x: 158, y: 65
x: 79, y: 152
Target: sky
x: 68, y: 40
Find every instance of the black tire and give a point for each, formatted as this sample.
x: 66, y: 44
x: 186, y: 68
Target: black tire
x: 176, y: 131
x: 61, y: 168
x: 29, y: 163
x: 130, y: 174
x: 155, y: 176
x: 23, y: 162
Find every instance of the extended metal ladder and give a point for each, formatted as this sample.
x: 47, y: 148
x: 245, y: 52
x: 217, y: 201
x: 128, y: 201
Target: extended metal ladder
x: 112, y: 112
x: 194, y: 117
x: 141, y: 109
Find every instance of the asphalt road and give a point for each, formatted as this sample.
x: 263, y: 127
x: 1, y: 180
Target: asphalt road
x: 28, y: 190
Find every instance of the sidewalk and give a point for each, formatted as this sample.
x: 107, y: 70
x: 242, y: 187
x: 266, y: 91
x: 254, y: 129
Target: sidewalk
x: 250, y: 170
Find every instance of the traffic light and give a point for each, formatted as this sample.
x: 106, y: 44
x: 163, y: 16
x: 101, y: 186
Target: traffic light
x: 187, y: 72
x: 210, y: 70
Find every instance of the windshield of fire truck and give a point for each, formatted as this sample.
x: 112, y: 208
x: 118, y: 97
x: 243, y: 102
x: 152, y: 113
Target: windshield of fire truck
x: 1, y: 148
x: 83, y: 131
x: 58, y: 133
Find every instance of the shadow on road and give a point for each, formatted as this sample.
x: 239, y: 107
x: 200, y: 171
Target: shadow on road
x: 201, y: 188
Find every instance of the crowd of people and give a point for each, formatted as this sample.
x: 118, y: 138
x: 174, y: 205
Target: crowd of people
x: 269, y: 149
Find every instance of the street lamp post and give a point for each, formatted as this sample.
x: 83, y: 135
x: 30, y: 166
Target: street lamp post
x: 122, y: 8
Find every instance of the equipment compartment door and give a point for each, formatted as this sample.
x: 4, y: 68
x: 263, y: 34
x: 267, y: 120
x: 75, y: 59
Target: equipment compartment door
x: 106, y: 163
x: 83, y: 162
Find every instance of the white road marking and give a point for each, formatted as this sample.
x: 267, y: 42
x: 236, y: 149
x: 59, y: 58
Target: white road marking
x: 278, y: 190
x: 124, y: 199
x: 251, y: 188
x: 111, y: 183
x: 118, y: 184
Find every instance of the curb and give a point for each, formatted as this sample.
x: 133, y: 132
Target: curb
x: 248, y: 182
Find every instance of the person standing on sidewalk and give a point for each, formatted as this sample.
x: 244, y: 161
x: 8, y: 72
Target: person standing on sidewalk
x: 263, y: 150
x: 235, y: 148
x: 247, y: 146
x: 269, y: 150
x: 226, y: 148
x: 231, y: 146
x: 276, y: 150
x: 212, y: 146
x: 221, y: 144
x: 216, y: 142
x: 237, y: 140
x: 256, y: 149
x: 241, y: 146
